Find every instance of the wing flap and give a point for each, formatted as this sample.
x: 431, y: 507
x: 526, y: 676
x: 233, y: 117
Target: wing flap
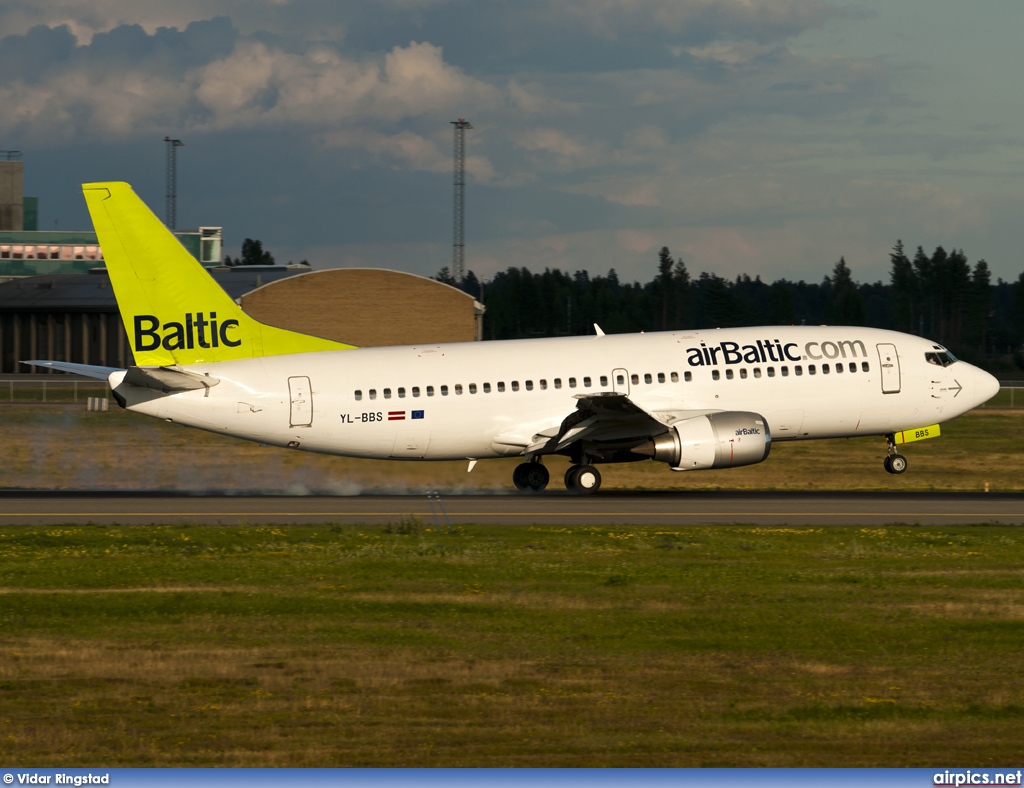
x: 607, y: 416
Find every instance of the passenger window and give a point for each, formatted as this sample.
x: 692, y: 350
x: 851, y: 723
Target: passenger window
x: 458, y: 388
x: 634, y: 379
x: 743, y: 374
x: 687, y: 376
x: 359, y: 395
x: 373, y: 393
x: 604, y: 381
x: 472, y: 388
x: 864, y: 367
x: 529, y: 385
x: 501, y: 385
x: 839, y: 367
x: 620, y: 380
x: 715, y: 374
x: 811, y: 369
x: 757, y: 372
x: 661, y: 377
x: 675, y: 377
x: 798, y: 370
x: 784, y: 371
x: 853, y: 367
x: 572, y: 383
x: 487, y: 388
x: 728, y: 374
x: 824, y: 369
x: 430, y: 391
x: 543, y: 385
x: 387, y: 393
x: 444, y: 391
x: 586, y: 382
x: 515, y: 385
x: 401, y: 391
x: 648, y: 378
x: 415, y: 391
x: 558, y: 383
x: 771, y: 372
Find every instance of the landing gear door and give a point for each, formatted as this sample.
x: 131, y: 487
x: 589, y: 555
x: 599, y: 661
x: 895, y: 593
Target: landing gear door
x: 890, y: 368
x: 620, y: 381
x: 302, y: 402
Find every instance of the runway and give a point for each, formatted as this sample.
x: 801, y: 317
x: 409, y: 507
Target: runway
x: 606, y: 508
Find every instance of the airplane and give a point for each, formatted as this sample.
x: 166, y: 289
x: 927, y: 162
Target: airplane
x: 693, y: 400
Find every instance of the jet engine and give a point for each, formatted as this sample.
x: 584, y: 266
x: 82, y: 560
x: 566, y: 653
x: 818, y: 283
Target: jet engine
x: 717, y: 440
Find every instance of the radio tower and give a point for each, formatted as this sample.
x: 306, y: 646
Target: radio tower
x: 459, y: 213
x: 172, y: 183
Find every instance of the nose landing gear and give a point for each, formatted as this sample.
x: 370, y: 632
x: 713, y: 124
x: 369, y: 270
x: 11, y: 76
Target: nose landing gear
x: 894, y: 462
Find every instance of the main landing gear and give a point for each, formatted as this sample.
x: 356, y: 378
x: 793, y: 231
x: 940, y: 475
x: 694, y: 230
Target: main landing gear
x: 530, y: 477
x: 533, y: 477
x: 582, y: 479
x: 894, y: 462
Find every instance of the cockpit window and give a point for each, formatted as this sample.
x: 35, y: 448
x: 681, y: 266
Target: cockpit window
x: 942, y: 358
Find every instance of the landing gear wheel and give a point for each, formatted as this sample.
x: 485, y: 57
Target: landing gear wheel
x: 530, y: 477
x: 583, y: 479
x: 895, y: 463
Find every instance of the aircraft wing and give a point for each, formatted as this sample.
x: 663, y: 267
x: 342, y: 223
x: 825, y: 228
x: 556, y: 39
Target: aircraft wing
x: 606, y: 416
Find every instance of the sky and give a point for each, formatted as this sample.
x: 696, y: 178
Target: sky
x: 759, y: 137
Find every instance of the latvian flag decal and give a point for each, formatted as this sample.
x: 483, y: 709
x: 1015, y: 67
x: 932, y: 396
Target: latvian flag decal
x: 396, y: 415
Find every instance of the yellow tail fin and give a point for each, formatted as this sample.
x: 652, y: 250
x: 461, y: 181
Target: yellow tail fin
x: 173, y: 310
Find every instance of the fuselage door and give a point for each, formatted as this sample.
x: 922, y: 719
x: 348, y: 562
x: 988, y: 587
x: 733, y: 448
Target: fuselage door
x: 302, y: 402
x: 620, y: 381
x: 890, y: 368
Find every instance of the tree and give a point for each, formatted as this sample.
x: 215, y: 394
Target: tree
x: 978, y: 307
x: 445, y: 277
x: 903, y: 282
x: 847, y: 307
x: 664, y: 283
x: 681, y: 295
x: 252, y: 254
x: 925, y: 288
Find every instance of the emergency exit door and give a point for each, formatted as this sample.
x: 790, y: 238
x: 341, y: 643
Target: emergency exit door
x: 302, y: 402
x: 890, y: 368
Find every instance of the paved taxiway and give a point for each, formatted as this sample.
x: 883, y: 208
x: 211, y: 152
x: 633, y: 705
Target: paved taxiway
x: 607, y: 508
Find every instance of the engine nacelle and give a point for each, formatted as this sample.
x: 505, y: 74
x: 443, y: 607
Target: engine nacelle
x: 718, y: 440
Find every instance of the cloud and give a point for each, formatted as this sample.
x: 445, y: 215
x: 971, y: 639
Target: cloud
x: 208, y: 77
x: 694, y: 20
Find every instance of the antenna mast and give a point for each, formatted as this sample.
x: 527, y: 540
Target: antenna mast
x: 171, y: 219
x: 459, y: 212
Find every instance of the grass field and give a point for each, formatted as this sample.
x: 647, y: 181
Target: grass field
x: 65, y: 447
x: 501, y: 646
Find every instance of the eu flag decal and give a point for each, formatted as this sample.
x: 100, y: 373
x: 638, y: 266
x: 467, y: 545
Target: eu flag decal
x: 417, y: 414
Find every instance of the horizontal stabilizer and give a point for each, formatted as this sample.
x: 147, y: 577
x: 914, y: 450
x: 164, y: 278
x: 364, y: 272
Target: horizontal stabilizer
x: 86, y: 370
x: 166, y: 379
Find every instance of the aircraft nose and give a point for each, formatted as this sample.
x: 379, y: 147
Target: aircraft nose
x: 986, y: 386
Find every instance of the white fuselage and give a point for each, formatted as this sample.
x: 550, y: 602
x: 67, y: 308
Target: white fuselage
x: 489, y: 399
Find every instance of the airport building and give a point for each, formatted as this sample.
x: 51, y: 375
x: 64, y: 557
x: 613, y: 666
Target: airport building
x: 74, y: 317
x: 56, y: 300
